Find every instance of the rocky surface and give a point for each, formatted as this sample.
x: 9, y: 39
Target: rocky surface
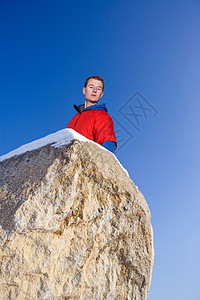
x: 72, y: 226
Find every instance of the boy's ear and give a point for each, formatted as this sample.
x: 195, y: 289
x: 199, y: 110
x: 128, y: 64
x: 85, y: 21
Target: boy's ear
x: 101, y: 94
x: 84, y: 90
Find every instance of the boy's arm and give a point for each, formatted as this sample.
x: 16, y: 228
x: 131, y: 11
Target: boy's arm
x: 104, y: 133
x: 110, y: 145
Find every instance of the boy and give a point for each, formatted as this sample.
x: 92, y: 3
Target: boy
x: 92, y: 119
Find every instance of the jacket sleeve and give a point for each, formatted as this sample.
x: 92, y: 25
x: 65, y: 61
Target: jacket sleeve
x: 109, y: 145
x: 104, y: 128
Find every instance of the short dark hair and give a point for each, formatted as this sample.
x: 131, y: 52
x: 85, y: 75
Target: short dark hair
x: 97, y: 77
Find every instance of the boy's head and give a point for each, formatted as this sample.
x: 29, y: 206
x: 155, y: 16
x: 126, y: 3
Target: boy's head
x: 93, y: 90
x: 97, y: 77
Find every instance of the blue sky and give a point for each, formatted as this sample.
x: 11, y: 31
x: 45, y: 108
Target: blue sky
x: 151, y: 48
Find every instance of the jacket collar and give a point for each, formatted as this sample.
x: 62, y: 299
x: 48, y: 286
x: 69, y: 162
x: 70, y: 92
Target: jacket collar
x: 97, y: 106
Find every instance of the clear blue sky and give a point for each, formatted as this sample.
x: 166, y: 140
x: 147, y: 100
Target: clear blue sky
x: 47, y: 50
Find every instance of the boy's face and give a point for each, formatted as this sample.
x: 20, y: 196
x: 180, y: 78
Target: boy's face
x: 93, y: 91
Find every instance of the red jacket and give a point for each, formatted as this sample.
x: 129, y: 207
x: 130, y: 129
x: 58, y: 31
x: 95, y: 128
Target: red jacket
x: 94, y: 123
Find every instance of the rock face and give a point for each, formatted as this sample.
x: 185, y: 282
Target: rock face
x: 73, y: 226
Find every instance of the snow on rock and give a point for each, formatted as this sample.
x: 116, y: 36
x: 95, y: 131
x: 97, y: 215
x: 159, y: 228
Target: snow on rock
x: 57, y: 139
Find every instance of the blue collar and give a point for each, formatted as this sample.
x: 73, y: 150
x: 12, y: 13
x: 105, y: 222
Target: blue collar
x: 80, y: 108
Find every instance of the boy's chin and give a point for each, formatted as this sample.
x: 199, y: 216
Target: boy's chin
x: 93, y: 101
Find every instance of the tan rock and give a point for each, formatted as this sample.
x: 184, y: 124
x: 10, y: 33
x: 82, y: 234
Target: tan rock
x: 73, y: 226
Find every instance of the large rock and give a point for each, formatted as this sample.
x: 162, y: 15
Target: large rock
x: 73, y: 226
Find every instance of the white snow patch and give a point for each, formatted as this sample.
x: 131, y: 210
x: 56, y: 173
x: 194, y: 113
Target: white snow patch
x: 57, y: 140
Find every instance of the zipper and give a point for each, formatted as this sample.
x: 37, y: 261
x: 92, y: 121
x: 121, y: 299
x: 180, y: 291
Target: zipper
x: 78, y: 110
x: 77, y: 120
